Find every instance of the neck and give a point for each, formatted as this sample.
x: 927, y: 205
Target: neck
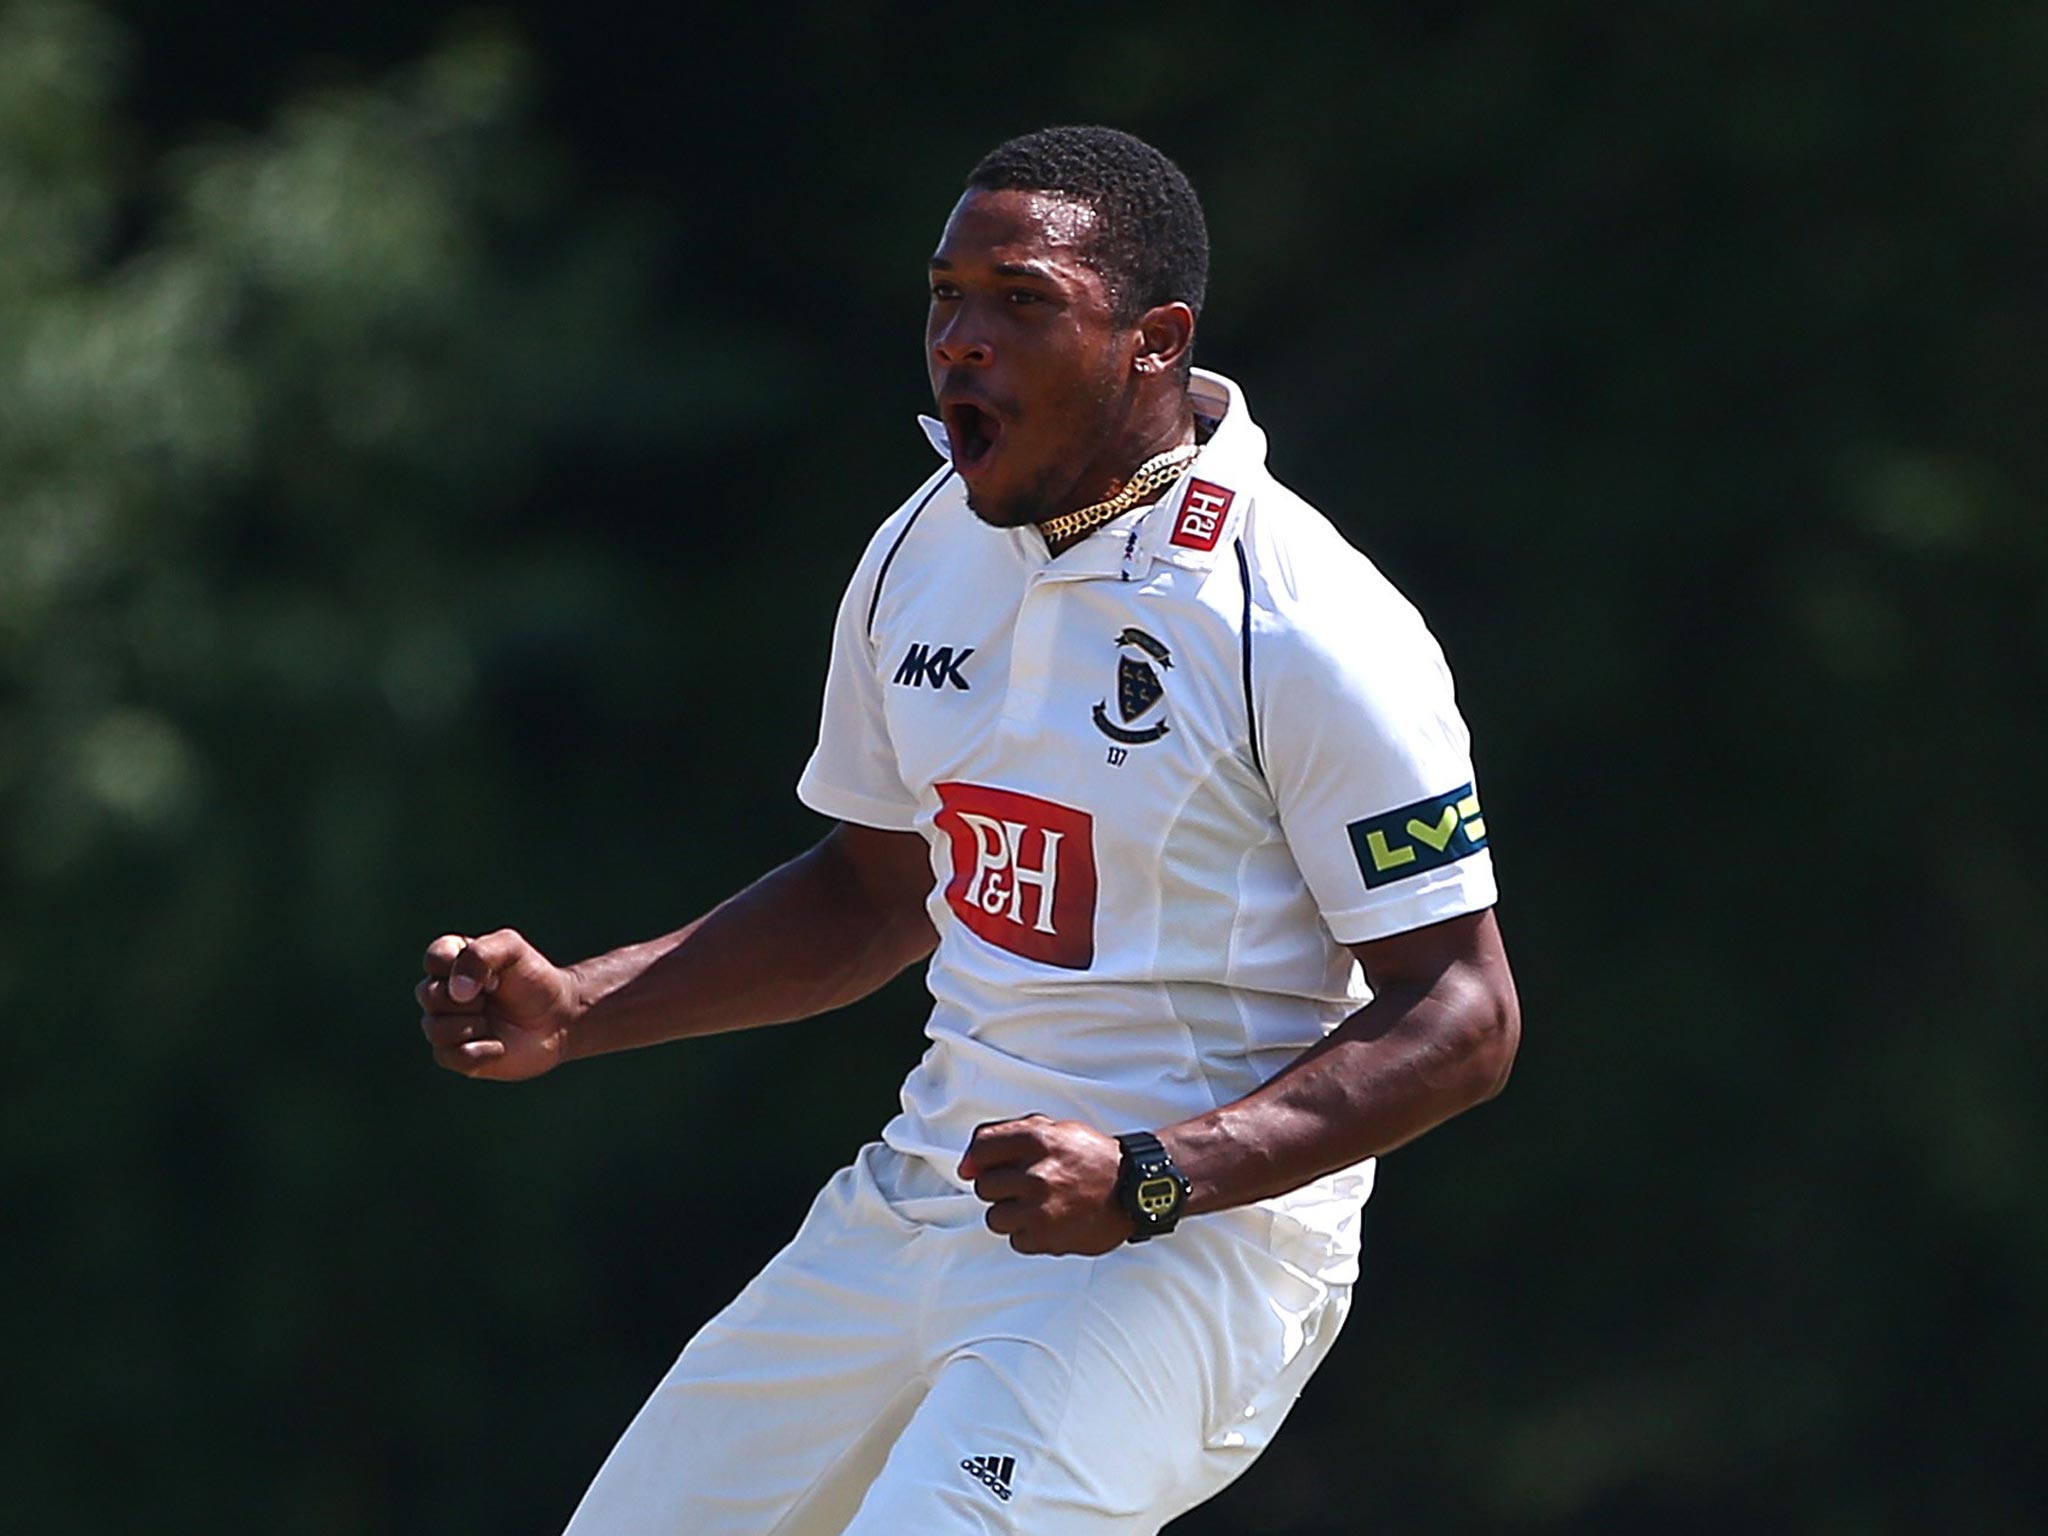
x: 1144, y: 484
x: 1158, y: 424
x: 1162, y: 425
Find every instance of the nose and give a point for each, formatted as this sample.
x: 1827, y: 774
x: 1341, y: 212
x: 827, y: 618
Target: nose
x: 957, y: 340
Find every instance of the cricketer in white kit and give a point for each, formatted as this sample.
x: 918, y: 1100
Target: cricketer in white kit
x: 1170, y: 784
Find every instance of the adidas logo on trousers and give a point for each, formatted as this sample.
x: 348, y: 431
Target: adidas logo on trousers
x: 995, y: 1471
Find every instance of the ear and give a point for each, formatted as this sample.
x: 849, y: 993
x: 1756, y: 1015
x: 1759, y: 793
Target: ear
x: 1165, y: 333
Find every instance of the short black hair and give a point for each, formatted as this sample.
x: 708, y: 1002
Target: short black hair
x: 1151, y: 242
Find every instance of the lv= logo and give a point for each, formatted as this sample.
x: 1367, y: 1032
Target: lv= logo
x: 1437, y: 837
x: 1417, y: 838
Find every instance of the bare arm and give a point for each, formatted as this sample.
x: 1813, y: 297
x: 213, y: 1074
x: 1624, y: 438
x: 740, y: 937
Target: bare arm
x: 821, y: 931
x: 1438, y: 1037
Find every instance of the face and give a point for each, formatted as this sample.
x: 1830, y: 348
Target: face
x: 1033, y: 377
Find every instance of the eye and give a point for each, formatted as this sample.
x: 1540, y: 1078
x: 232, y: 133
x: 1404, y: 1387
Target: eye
x: 1025, y: 296
x: 944, y: 291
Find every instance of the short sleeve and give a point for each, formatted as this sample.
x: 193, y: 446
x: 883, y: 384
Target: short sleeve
x: 852, y: 774
x: 1368, y: 759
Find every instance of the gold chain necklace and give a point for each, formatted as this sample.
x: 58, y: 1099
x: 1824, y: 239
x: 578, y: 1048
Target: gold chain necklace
x: 1147, y: 481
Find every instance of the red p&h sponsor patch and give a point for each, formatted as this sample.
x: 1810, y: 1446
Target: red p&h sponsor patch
x: 1202, y: 511
x: 1023, y: 872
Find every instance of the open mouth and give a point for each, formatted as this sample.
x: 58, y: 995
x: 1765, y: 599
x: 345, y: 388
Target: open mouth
x: 973, y: 431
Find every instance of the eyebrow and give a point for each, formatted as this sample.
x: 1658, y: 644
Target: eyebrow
x: 1003, y: 269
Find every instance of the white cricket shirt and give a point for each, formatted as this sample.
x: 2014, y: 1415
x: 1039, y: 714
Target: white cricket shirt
x: 1165, y: 778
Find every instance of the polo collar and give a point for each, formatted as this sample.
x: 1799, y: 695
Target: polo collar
x: 1198, y: 515
x: 1201, y: 511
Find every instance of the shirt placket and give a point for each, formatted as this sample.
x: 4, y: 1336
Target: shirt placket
x: 1035, y: 641
x: 1031, y: 653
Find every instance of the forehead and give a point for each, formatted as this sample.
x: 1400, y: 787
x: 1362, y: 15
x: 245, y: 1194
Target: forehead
x: 1015, y: 228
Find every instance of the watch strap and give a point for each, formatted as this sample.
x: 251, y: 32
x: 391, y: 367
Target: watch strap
x: 1143, y: 1146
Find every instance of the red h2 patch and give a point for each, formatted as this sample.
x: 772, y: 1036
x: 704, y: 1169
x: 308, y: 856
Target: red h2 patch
x: 1023, y: 872
x: 1202, y: 512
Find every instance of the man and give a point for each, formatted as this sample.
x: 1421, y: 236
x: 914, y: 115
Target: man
x: 1162, y: 774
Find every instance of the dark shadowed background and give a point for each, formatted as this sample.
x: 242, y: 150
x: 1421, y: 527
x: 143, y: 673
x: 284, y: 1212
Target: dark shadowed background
x: 433, y: 439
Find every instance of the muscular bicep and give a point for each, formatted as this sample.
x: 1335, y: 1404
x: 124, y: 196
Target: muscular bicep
x: 1451, y: 982
x: 1420, y: 955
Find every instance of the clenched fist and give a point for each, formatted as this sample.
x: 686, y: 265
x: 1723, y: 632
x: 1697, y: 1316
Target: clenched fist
x: 494, y: 1007
x: 1050, y: 1184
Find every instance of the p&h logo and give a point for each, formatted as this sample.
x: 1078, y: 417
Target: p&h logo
x: 1023, y: 872
x: 1202, y: 511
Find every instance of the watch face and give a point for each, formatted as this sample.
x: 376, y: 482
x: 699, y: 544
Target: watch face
x: 1158, y: 1196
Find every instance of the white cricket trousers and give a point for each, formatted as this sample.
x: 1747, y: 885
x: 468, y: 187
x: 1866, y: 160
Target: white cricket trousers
x: 898, y: 1371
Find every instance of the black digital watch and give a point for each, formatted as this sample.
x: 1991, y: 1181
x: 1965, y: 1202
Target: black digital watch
x: 1148, y: 1186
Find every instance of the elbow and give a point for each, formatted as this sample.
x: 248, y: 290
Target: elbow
x: 1495, y: 1036
x: 1500, y: 1039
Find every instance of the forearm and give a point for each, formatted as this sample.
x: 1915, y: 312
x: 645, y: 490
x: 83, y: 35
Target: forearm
x: 1418, y: 1054
x: 813, y: 935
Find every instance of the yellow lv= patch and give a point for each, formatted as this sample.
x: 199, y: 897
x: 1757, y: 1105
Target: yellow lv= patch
x: 1383, y: 857
x: 1411, y: 840
x: 1438, y: 836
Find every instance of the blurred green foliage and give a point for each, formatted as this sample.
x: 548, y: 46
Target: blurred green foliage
x: 429, y: 454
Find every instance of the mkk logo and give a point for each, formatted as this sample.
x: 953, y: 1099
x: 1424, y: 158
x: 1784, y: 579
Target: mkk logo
x: 1023, y: 872
x: 1415, y: 838
x: 1202, y: 511
x: 938, y: 666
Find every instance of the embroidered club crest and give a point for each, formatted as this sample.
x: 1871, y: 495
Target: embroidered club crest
x: 1139, y: 691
